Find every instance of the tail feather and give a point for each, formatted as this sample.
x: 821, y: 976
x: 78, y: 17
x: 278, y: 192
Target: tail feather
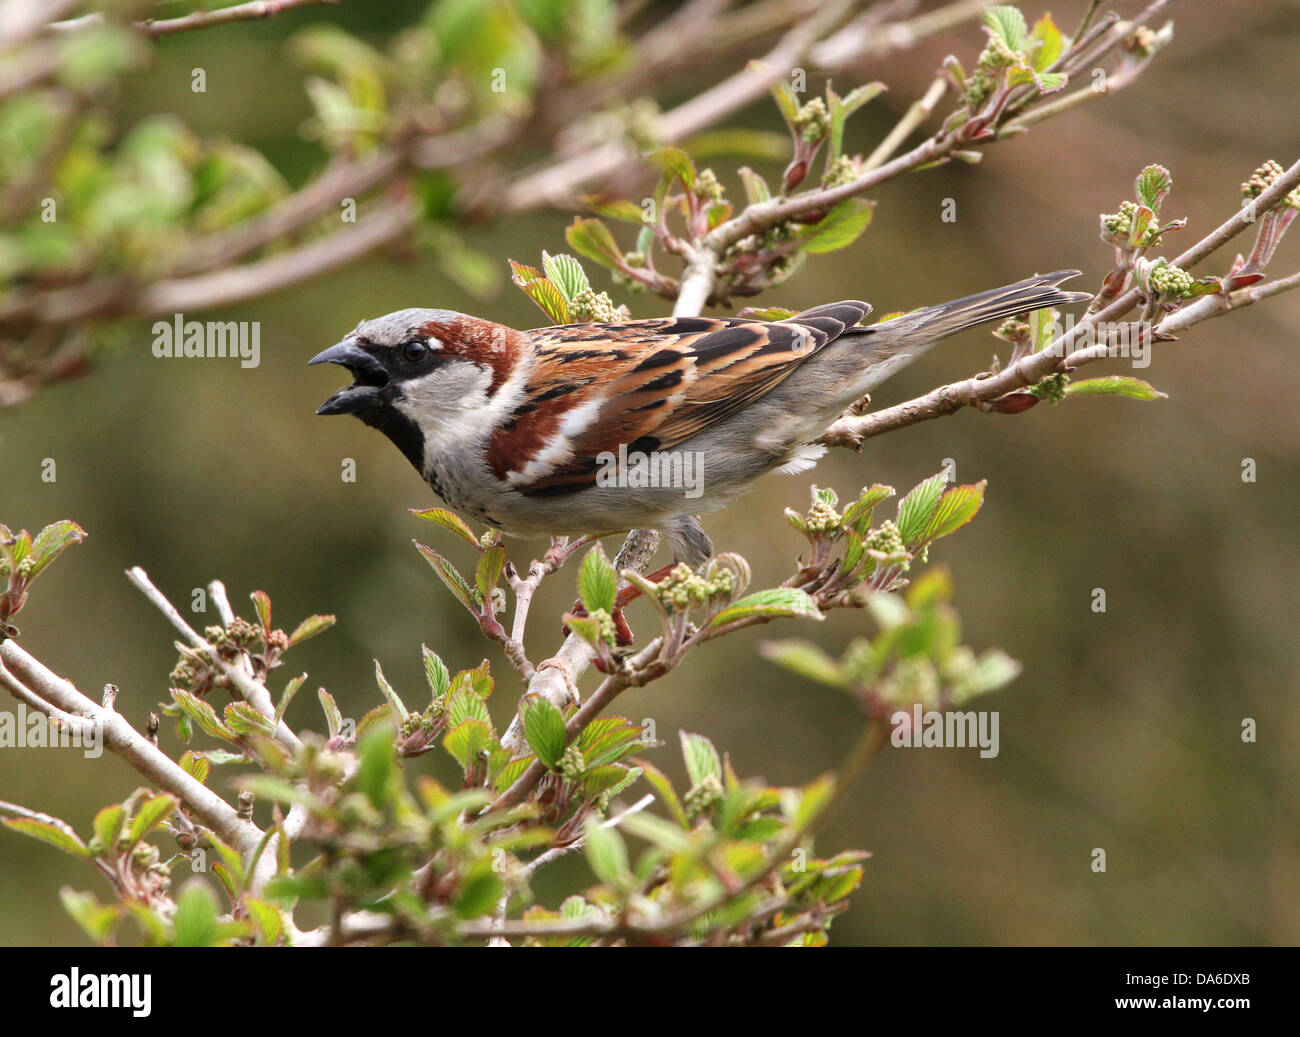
x: 949, y: 318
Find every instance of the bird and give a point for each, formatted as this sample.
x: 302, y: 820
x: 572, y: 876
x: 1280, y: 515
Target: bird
x: 598, y: 428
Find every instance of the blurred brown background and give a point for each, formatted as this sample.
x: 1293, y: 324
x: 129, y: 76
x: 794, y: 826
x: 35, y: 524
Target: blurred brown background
x: 1123, y: 731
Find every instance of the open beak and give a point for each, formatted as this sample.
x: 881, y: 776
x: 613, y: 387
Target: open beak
x: 368, y: 374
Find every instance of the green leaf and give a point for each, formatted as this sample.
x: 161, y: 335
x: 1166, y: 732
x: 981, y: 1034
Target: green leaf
x: 664, y: 787
x: 916, y: 509
x: 838, y: 229
x: 286, y: 696
x: 607, y: 854
x: 195, y: 920
x: 450, y: 577
x: 755, y: 144
x: 614, y: 208
x: 333, y: 715
x: 378, y: 768
x: 702, y: 760
x: 310, y: 627
x: 955, y: 508
x: 814, y: 798
x: 399, y: 710
x: 267, y: 918
x: 477, y: 680
x: 566, y: 274
x: 805, y: 659
x: 435, y: 671
x: 1140, y: 227
x: 202, y: 714
x: 591, y: 238
x: 488, y: 572
x: 50, y: 542
x: 1152, y: 185
x: 243, y: 719
x: 861, y: 95
x: 756, y: 189
x: 1007, y: 23
x: 478, y: 893
x: 96, y: 920
x: 783, y: 94
x: 466, y: 740
x: 448, y: 520
x: 677, y: 164
x: 64, y: 838
x: 549, y: 299
x: 656, y: 831
x: 262, y: 605
x: 1115, y: 385
x: 858, y: 514
x: 1049, y: 42
x: 197, y: 767
x: 597, y: 581
x: 544, y: 729
x: 151, y: 814
x: 779, y: 601
x: 464, y: 704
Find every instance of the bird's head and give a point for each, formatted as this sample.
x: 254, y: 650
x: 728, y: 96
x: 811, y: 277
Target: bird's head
x: 423, y: 377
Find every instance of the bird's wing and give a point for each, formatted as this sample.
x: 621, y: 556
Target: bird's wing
x: 647, y: 385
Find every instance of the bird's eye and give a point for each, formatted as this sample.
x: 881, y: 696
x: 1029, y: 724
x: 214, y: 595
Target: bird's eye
x: 414, y: 351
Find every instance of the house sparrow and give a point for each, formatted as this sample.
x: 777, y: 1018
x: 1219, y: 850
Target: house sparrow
x: 601, y: 428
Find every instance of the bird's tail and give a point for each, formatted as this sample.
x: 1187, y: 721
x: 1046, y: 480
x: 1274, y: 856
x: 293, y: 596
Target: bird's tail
x: 937, y: 322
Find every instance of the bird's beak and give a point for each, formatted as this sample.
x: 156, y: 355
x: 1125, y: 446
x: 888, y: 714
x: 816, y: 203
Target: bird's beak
x: 369, y: 378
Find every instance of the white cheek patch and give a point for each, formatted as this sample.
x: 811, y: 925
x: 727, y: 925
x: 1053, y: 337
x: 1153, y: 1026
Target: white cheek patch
x: 450, y: 405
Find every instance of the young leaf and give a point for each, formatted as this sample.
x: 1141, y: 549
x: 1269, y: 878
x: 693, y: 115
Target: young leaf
x: 195, y: 920
x: 262, y: 605
x: 607, y: 854
x: 916, y: 509
x: 448, y: 520
x: 310, y: 627
x: 1007, y: 23
x: 549, y: 299
x: 614, y: 208
x: 838, y: 229
x: 702, y: 760
x: 202, y: 714
x: 50, y: 542
x: 466, y: 740
x: 151, y: 814
x: 449, y: 576
x: 955, y: 508
x: 490, y: 566
x: 597, y: 581
x: 1115, y: 385
x: 1152, y: 185
x: 566, y: 274
x: 286, y: 696
x: 62, y: 837
x: 591, y: 238
x: 1049, y: 41
x: 333, y: 716
x: 435, y: 670
x: 805, y: 659
x: 676, y: 163
x: 544, y: 729
x: 399, y: 710
x: 197, y: 767
x: 858, y: 514
x: 779, y: 601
